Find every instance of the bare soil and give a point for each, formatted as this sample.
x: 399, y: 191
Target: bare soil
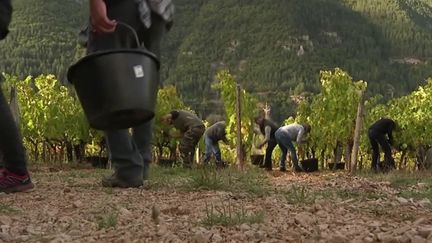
x: 71, y: 206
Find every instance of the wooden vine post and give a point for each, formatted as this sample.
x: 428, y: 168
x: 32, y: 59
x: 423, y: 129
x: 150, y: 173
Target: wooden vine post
x: 357, y: 132
x: 240, y: 160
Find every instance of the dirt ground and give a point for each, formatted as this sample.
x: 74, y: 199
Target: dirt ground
x: 71, y: 206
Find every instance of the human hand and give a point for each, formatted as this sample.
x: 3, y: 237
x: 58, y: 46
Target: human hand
x: 99, y: 18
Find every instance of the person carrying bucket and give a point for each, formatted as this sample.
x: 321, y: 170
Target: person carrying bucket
x: 130, y: 153
x: 192, y: 129
x: 14, y: 176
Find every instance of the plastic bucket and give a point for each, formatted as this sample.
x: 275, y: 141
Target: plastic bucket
x: 117, y: 88
x: 310, y: 165
x: 257, y: 159
x: 166, y: 162
x: 336, y: 166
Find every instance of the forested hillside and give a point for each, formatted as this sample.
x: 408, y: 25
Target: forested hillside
x: 43, y: 37
x: 276, y: 48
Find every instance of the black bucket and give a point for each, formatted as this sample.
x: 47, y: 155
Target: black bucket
x: 257, y: 159
x: 117, y: 88
x: 166, y: 162
x: 336, y: 166
x: 309, y: 165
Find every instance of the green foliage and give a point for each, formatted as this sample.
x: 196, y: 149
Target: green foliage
x: 332, y: 112
x: 299, y: 195
x: 258, y: 40
x: 228, y: 214
x: 253, y: 182
x: 250, y: 181
x: 207, y: 179
x: 387, y: 42
x: 49, y: 113
x: 107, y: 220
x: 411, y: 113
x: 43, y: 37
x: 8, y: 209
x: 227, y: 87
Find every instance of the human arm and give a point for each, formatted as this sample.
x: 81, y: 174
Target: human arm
x: 300, y: 136
x: 224, y: 134
x: 267, y: 133
x: 393, y: 127
x: 99, y: 18
x: 390, y: 136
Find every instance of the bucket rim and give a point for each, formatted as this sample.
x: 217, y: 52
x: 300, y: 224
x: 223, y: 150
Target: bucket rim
x: 107, y: 52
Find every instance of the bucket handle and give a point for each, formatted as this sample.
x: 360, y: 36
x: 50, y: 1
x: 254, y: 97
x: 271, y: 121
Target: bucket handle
x: 132, y: 30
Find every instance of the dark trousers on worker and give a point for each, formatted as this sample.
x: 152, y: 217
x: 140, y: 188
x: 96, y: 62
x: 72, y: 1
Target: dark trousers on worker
x: 271, y: 144
x: 212, y: 147
x: 11, y: 147
x: 376, y: 140
x: 285, y: 144
x: 188, y: 144
x: 130, y: 153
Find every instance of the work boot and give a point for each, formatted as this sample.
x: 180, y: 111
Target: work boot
x: 114, y: 181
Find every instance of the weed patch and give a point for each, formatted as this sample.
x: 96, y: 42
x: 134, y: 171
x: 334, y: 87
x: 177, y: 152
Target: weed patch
x: 227, y: 214
x: 107, y: 220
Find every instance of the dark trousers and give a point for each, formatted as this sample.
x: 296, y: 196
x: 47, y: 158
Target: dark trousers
x: 10, y: 140
x: 376, y: 140
x: 5, y: 17
x: 271, y: 144
x: 11, y: 147
x: 189, y: 142
x: 285, y: 144
x: 129, y: 153
x: 212, y: 147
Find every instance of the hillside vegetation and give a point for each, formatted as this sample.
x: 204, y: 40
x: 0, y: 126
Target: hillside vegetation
x: 276, y: 48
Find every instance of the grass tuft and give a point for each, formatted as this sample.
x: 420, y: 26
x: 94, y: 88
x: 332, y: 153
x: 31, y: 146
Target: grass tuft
x: 8, y: 209
x: 226, y: 214
x: 250, y: 181
x: 107, y: 220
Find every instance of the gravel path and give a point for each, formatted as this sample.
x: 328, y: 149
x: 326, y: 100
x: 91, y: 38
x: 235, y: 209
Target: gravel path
x: 71, y: 206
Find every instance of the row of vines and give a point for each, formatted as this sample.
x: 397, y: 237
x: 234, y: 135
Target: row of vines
x: 55, y: 129
x: 52, y: 122
x: 332, y: 115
